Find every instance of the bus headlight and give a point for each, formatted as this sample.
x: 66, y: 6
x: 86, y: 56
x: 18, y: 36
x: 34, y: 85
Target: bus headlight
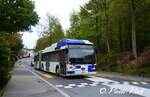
x: 70, y: 67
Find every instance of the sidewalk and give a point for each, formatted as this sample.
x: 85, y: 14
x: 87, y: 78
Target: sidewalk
x: 24, y: 84
x: 121, y: 76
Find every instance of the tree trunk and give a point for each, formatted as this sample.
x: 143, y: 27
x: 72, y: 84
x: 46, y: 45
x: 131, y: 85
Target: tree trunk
x: 97, y: 34
x: 134, y: 49
x: 108, y: 36
x: 107, y: 27
x: 97, y: 28
x: 120, y: 35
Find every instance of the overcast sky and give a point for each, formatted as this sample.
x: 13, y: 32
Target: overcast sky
x: 59, y: 8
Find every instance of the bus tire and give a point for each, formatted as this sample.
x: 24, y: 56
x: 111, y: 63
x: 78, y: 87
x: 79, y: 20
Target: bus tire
x: 57, y: 70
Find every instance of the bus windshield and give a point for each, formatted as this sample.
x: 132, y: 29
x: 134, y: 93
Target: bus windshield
x: 81, y: 56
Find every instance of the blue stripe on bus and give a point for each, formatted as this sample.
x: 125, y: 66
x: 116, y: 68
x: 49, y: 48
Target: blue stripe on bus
x: 91, y: 68
x: 64, y: 42
x: 78, y: 66
x: 70, y: 72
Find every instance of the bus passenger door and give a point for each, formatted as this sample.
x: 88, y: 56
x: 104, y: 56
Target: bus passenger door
x: 62, y: 57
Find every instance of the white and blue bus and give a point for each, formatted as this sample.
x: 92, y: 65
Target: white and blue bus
x: 67, y: 57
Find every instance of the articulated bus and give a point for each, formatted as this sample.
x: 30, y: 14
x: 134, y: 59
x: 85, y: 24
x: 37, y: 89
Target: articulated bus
x: 67, y: 57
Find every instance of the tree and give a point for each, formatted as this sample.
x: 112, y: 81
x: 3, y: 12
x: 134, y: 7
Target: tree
x: 118, y: 28
x: 17, y: 15
x: 52, y: 34
x: 90, y: 15
x: 4, y: 63
x: 41, y: 43
x: 74, y: 30
x: 119, y: 25
x: 134, y: 5
x: 142, y: 26
x: 14, y: 43
x: 55, y: 31
x: 10, y: 45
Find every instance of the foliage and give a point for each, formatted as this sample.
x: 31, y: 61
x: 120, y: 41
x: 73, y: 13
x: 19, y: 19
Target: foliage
x: 41, y: 43
x: 74, y: 30
x: 4, y: 63
x: 53, y: 33
x: 10, y: 45
x: 107, y: 61
x: 17, y: 15
x: 118, y: 28
x: 14, y: 42
x: 145, y: 57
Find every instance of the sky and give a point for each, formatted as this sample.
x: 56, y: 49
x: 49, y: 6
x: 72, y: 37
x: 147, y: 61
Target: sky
x: 59, y: 8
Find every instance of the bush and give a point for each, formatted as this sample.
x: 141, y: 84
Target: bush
x: 145, y: 57
x: 113, y: 61
x: 132, y: 69
x: 107, y: 62
x: 10, y: 45
x: 125, y: 63
x: 126, y: 58
x: 4, y: 64
x: 144, y: 61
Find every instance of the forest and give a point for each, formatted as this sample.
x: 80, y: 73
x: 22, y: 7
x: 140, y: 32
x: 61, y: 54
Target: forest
x: 120, y: 30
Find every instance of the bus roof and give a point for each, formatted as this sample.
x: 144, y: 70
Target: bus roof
x: 62, y: 43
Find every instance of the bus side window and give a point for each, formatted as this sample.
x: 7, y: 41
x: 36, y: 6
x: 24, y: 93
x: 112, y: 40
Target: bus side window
x: 49, y: 58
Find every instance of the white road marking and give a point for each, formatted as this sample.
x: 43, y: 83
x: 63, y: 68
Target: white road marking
x: 59, y: 86
x: 136, y: 83
x: 67, y: 87
x: 125, y: 82
x: 84, y: 84
x: 63, y: 93
x: 108, y: 83
x: 98, y: 79
x: 94, y: 84
x: 80, y: 86
x: 125, y: 87
x: 116, y: 82
x: 72, y: 85
x: 144, y: 83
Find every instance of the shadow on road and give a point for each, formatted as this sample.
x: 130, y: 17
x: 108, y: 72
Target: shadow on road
x: 75, y: 77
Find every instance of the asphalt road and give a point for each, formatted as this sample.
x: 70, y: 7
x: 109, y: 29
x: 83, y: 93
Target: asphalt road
x: 92, y: 86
